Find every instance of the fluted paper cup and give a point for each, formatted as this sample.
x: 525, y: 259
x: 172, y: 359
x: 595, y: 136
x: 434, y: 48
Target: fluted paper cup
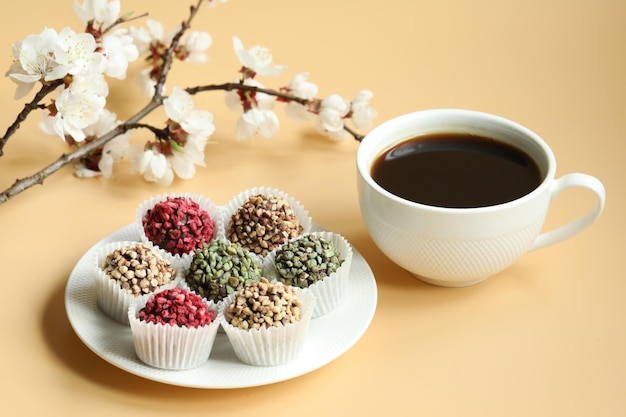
x: 179, y: 260
x: 172, y: 347
x: 274, y: 345
x: 331, y: 291
x: 111, y: 298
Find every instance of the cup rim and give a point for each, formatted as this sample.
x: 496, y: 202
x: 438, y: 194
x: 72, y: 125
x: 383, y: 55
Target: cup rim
x: 365, y: 156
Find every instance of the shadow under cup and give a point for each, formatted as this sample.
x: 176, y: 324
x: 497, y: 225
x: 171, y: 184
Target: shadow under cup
x: 457, y: 247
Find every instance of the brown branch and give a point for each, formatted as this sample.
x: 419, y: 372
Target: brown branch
x: 122, y: 20
x: 168, y: 58
x: 85, y: 149
x: 132, y: 123
x: 354, y: 134
x: 28, y: 108
x: 245, y: 87
x: 46, y: 89
x: 38, y: 178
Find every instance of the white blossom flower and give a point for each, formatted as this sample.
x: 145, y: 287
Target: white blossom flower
x: 105, y: 123
x: 187, y: 147
x: 362, y: 114
x: 75, y: 111
x: 113, y: 151
x: 17, y: 74
x: 82, y: 171
x: 196, y: 44
x: 257, y: 59
x: 257, y: 112
x: 119, y: 49
x: 179, y: 107
x: 184, y: 162
x: 330, y: 118
x: 102, y: 13
x: 93, y: 83
x: 338, y: 135
x: 153, y: 167
x: 155, y: 30
x: 76, y: 66
x: 118, y: 45
x: 144, y: 38
x: 262, y: 101
x: 75, y: 54
x: 257, y: 121
x: 301, y: 88
x: 297, y: 111
x: 33, y: 61
x: 141, y: 38
x: 146, y: 83
x: 35, y: 54
x: 233, y: 101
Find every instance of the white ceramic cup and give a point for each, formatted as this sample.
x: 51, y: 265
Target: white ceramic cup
x: 456, y: 247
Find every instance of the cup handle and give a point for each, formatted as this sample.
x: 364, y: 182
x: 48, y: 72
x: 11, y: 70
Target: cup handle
x: 576, y: 226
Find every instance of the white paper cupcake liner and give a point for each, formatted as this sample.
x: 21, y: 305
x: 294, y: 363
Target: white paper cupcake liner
x: 111, y: 298
x: 172, y: 347
x: 178, y: 260
x: 299, y: 210
x: 275, y: 345
x: 332, y: 290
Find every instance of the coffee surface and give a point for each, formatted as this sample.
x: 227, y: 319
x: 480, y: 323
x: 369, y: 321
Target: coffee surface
x: 456, y: 170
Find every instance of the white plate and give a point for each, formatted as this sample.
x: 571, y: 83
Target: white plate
x: 329, y: 336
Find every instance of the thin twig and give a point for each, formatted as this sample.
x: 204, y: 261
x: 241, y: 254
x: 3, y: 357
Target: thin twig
x: 245, y: 87
x: 33, y: 105
x: 86, y: 148
x: 133, y: 123
x: 168, y: 58
x: 121, y: 20
x: 356, y: 135
x: 46, y: 89
x: 38, y: 178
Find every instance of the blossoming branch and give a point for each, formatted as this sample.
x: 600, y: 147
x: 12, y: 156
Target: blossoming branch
x: 71, y: 70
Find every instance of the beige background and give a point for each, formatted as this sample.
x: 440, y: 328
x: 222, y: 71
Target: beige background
x: 545, y: 338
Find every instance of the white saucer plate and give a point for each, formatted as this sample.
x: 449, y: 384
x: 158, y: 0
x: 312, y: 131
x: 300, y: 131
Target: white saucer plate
x: 329, y: 336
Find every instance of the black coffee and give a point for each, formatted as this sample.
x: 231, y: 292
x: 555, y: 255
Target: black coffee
x: 456, y: 170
